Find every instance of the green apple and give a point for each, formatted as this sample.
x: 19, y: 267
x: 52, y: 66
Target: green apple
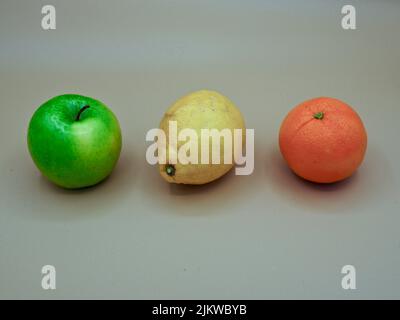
x: 75, y: 141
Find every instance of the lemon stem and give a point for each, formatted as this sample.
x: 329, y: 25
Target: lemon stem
x: 170, y: 170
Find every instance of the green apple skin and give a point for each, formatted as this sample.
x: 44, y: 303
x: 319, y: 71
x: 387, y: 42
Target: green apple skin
x: 74, y: 151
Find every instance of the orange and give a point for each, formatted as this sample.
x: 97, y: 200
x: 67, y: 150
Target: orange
x: 323, y: 140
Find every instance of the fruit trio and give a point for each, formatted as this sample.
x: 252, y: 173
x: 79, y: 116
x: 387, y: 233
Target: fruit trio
x: 75, y: 141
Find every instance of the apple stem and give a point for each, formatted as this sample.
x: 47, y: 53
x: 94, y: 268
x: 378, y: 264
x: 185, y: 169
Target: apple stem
x: 318, y: 115
x: 80, y: 112
x: 170, y: 170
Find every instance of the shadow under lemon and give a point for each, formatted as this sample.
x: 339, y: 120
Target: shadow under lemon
x: 211, y: 198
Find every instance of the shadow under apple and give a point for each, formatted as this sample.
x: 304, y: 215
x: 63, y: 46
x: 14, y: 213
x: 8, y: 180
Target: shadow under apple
x: 93, y: 200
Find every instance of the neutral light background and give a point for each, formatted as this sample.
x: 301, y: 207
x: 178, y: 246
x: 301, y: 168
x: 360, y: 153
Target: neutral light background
x: 268, y: 235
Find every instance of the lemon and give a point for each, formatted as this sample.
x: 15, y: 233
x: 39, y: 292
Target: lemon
x: 200, y: 110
